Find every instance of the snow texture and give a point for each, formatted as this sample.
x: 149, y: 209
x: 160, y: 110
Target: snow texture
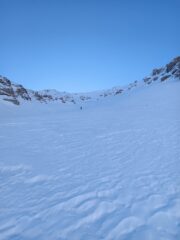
x: 109, y: 171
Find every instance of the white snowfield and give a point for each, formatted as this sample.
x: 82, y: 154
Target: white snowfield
x: 109, y: 171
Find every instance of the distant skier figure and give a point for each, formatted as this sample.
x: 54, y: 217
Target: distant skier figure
x: 81, y: 108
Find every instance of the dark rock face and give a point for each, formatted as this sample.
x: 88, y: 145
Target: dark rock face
x: 15, y: 101
x: 172, y: 64
x: 119, y: 91
x: 48, y: 97
x: 84, y: 98
x: 22, y: 92
x: 157, y: 71
x: 4, y: 81
x: 155, y: 78
x: 165, y: 77
x: 12, y: 91
x: 172, y: 69
x: 177, y: 74
x: 7, y: 91
x: 62, y: 100
x: 38, y: 96
x: 147, y: 79
x: 176, y: 69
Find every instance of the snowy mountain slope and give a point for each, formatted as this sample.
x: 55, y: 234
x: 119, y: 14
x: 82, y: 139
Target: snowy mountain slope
x: 110, y: 171
x: 17, y: 94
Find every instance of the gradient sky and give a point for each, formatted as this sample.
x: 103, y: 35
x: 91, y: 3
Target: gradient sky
x: 83, y: 45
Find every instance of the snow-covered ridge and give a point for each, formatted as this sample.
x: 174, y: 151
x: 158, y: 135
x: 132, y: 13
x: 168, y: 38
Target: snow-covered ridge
x: 18, y: 94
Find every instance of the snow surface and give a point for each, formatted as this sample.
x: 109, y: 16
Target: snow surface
x: 109, y: 171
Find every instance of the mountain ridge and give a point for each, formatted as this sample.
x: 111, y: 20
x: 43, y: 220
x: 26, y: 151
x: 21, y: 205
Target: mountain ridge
x: 17, y: 93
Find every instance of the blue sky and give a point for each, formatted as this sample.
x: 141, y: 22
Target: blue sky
x: 84, y: 45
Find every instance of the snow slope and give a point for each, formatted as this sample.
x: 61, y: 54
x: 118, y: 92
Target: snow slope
x: 110, y: 171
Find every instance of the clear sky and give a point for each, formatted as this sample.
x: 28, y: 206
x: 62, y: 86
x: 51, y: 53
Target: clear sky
x: 83, y: 45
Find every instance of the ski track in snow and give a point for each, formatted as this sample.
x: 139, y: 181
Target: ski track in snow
x: 110, y: 171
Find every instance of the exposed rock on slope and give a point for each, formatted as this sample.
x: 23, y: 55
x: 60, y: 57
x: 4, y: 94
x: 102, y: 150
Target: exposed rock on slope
x: 17, y: 94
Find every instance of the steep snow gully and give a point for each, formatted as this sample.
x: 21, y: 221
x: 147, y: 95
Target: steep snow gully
x: 110, y: 171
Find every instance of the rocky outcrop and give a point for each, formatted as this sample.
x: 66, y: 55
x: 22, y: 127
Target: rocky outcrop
x: 14, y: 101
x: 7, y: 92
x: 171, y: 70
x: 20, y: 91
x: 12, y: 92
x: 174, y: 63
x: 157, y: 71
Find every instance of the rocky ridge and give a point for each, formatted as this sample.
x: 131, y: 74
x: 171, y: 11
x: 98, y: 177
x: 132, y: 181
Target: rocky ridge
x: 16, y: 93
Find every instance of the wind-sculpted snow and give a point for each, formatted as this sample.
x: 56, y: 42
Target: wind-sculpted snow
x: 110, y: 171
